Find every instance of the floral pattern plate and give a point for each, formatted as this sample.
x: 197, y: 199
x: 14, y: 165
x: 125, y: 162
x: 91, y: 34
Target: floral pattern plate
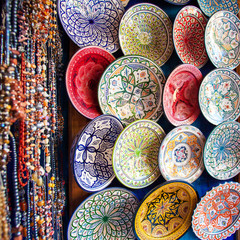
x: 82, y: 77
x: 107, y: 214
x: 221, y: 153
x: 131, y: 89
x: 92, y: 164
x: 181, y: 154
x: 188, y: 35
x: 166, y: 212
x: 219, y: 96
x: 146, y: 30
x: 222, y: 39
x: 180, y: 96
x: 209, y: 7
x: 92, y: 22
x: 217, y: 215
x: 178, y: 2
x: 135, y: 154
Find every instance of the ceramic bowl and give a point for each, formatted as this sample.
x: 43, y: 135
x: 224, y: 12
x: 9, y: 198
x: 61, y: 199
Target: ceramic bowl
x: 219, y: 96
x: 135, y: 154
x: 146, y: 30
x: 180, y: 95
x: 178, y: 2
x: 217, y: 214
x: 92, y: 163
x: 221, y: 152
x: 181, y: 154
x: 222, y: 40
x: 188, y: 35
x: 165, y: 213
x: 82, y: 78
x: 107, y: 214
x: 92, y: 22
x: 131, y: 89
x: 210, y: 7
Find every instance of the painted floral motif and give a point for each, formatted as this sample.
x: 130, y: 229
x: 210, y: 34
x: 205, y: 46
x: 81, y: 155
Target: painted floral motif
x: 222, y: 39
x: 219, y: 96
x: 92, y: 160
x: 221, y: 154
x: 218, y: 212
x: 181, y: 154
x: 146, y: 30
x: 105, y: 215
x: 136, y: 152
x: 178, y: 2
x: 92, y: 22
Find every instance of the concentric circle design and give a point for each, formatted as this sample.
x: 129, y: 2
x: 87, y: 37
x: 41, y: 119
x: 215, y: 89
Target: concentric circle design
x: 146, y: 30
x: 135, y: 154
x: 92, y: 22
x: 221, y: 153
x: 107, y: 214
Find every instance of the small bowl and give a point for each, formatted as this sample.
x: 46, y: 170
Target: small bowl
x: 178, y: 2
x: 188, y: 35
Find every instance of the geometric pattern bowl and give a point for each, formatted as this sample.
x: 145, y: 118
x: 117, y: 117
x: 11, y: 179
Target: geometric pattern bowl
x: 219, y: 96
x: 217, y: 215
x: 221, y: 152
x: 146, y: 30
x: 107, y: 214
x: 92, y: 22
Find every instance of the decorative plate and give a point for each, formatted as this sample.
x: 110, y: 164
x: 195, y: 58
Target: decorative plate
x: 125, y: 2
x: 92, y: 165
x: 131, y: 89
x: 219, y: 96
x: 107, y: 214
x: 92, y: 22
x: 188, y: 35
x: 178, y: 2
x: 180, y: 95
x: 166, y: 212
x: 146, y: 30
x: 222, y: 39
x: 181, y: 154
x: 135, y: 154
x: 73, y: 147
x: 221, y: 152
x: 82, y: 77
x: 209, y: 7
x: 217, y: 214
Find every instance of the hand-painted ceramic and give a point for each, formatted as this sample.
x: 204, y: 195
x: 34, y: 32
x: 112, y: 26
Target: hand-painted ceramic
x: 92, y: 165
x: 178, y: 2
x: 180, y: 96
x: 209, y: 7
x: 125, y: 2
x: 219, y: 96
x: 107, y: 214
x: 82, y: 77
x: 92, y: 22
x: 217, y: 214
x: 166, y: 212
x: 131, y: 89
x: 222, y: 39
x: 146, y: 30
x: 181, y: 154
x: 135, y: 154
x: 188, y: 35
x: 221, y: 152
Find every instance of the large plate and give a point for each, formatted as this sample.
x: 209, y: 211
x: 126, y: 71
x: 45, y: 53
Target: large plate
x: 135, y: 154
x: 219, y: 96
x: 188, y: 36
x: 166, y: 212
x: 82, y: 78
x: 222, y: 39
x: 180, y: 96
x: 131, y: 89
x: 181, y: 154
x: 107, y: 214
x: 92, y: 22
x: 92, y: 164
x: 221, y: 152
x: 217, y: 215
x: 146, y: 30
